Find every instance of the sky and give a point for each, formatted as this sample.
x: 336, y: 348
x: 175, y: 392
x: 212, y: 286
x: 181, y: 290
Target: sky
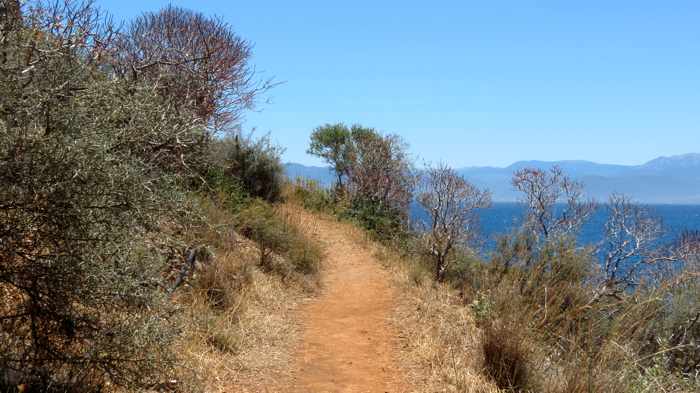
x: 472, y: 83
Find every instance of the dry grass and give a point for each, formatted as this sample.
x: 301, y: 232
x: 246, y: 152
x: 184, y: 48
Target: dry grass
x: 247, y: 346
x: 240, y: 323
x: 441, y: 344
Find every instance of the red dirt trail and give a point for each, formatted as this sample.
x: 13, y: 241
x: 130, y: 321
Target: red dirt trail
x: 347, y: 343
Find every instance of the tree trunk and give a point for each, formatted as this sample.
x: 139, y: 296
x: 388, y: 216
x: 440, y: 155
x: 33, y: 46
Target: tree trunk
x: 440, y: 269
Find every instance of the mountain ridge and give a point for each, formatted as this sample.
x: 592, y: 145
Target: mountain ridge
x: 665, y: 179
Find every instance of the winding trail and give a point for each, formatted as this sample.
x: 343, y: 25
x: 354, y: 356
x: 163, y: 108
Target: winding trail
x: 348, y: 343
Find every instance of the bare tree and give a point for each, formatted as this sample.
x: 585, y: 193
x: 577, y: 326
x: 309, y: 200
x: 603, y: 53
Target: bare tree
x: 451, y: 203
x: 381, y: 170
x: 630, y: 244
x: 543, y: 190
x: 198, y: 60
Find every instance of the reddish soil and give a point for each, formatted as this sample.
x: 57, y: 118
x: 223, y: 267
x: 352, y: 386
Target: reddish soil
x: 348, y: 342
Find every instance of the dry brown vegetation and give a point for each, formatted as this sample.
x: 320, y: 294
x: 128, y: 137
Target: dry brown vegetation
x: 440, y: 341
x: 240, y: 321
x: 530, y: 319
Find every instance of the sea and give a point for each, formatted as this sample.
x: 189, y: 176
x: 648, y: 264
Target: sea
x: 503, y: 218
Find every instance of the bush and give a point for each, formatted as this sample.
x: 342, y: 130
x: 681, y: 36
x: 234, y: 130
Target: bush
x: 311, y: 196
x: 92, y: 167
x: 224, y: 190
x: 505, y: 358
x: 276, y: 235
x: 81, y: 300
x: 381, y: 220
x: 259, y: 223
x: 223, y: 284
x: 585, y: 342
x: 255, y: 165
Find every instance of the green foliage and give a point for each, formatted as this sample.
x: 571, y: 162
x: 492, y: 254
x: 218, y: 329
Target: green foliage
x: 79, y: 282
x: 481, y: 306
x: 379, y: 176
x: 255, y: 165
x: 313, y: 197
x: 382, y: 221
x: 93, y: 163
x: 227, y: 191
x: 333, y: 143
x: 259, y: 223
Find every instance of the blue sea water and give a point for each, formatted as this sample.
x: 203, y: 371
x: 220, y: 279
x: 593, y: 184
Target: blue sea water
x: 502, y: 218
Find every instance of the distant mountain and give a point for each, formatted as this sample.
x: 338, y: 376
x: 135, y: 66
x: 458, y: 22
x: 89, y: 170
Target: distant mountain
x: 683, y: 164
x: 673, y: 180
x: 323, y: 175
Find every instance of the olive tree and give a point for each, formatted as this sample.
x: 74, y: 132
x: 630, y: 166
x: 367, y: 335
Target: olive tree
x: 451, y: 203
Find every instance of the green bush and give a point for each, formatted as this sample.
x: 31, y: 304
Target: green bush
x: 92, y: 165
x: 80, y: 287
x: 382, y: 221
x: 255, y: 165
x: 227, y: 191
x: 314, y: 197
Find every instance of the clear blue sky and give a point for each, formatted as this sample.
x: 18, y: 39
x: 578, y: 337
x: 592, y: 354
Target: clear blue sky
x: 476, y: 83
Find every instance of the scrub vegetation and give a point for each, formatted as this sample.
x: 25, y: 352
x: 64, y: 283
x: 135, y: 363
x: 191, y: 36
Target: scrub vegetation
x: 148, y: 244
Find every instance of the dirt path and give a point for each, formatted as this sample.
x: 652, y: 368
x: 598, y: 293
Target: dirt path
x: 348, y: 343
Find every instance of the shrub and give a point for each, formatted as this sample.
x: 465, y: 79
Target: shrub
x: 311, y: 196
x: 276, y: 235
x: 198, y: 63
x: 84, y: 304
x: 224, y: 190
x: 223, y: 284
x: 381, y: 220
x: 259, y: 223
x: 379, y: 175
x: 505, y: 357
x: 255, y: 165
x: 305, y: 255
x: 91, y: 166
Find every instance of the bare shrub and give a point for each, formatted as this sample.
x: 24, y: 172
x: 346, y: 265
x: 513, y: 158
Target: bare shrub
x: 451, y: 203
x: 381, y: 172
x: 543, y: 190
x: 630, y: 245
x: 198, y: 62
